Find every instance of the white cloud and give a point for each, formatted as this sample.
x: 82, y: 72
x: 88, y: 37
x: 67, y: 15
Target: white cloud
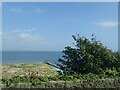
x: 28, y: 37
x: 22, y: 35
x: 26, y: 10
x: 14, y: 31
x: 0, y: 37
x: 1, y: 33
x: 107, y: 23
x: 35, y: 10
x: 39, y: 10
x: 15, y: 10
x: 22, y: 31
x: 7, y: 36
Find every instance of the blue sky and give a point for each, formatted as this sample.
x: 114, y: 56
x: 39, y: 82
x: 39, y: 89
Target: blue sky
x: 49, y: 26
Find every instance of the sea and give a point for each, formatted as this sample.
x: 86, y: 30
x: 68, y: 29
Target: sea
x: 30, y: 56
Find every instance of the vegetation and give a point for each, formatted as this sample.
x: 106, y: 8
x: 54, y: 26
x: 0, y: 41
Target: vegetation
x: 89, y: 56
x: 84, y: 80
x: 27, y: 69
x: 88, y: 64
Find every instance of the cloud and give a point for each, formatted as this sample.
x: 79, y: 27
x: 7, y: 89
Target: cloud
x: 7, y: 36
x: 15, y: 9
x: 35, y: 10
x: 14, y: 31
x: 107, y: 23
x: 26, y: 10
x: 1, y: 33
x: 22, y: 35
x: 28, y: 37
x: 0, y: 36
x: 22, y: 31
x: 39, y: 10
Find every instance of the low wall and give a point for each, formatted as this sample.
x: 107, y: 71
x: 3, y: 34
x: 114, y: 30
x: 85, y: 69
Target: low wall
x: 67, y: 85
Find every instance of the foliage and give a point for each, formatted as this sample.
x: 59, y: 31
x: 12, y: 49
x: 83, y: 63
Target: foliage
x: 34, y: 81
x: 89, y: 61
x: 88, y: 56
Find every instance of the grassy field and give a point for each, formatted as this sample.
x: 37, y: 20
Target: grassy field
x: 41, y: 75
x: 27, y: 69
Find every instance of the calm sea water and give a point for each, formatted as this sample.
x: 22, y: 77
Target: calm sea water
x: 30, y: 56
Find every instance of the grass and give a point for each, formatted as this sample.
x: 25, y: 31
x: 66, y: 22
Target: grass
x: 43, y: 75
x: 29, y: 69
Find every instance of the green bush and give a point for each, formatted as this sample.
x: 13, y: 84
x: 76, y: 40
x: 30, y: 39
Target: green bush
x: 111, y: 72
x: 35, y: 81
x: 89, y: 61
x: 88, y: 56
x: 86, y: 78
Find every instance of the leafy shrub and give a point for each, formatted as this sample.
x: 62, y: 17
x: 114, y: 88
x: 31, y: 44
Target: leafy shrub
x: 111, y: 72
x: 35, y: 81
x: 88, y: 56
x: 88, y: 78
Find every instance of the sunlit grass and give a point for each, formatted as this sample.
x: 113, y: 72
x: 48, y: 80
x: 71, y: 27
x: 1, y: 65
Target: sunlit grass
x: 29, y: 69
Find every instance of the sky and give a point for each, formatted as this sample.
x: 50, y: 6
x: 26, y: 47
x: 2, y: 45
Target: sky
x: 49, y: 26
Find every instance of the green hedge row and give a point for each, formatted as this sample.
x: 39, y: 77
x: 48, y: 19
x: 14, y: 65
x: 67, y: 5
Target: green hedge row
x: 108, y: 83
x: 93, y: 79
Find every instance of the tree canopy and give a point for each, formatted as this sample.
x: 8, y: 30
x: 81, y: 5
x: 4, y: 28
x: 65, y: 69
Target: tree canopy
x: 88, y: 56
